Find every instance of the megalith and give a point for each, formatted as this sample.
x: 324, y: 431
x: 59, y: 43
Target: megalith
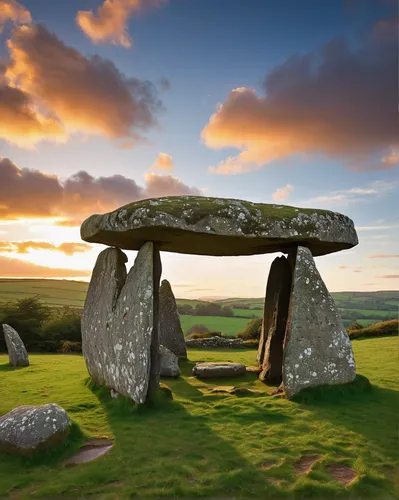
x: 271, y: 344
x: 170, y: 330
x: 120, y: 340
x: 169, y: 363
x: 317, y: 348
x: 17, y: 352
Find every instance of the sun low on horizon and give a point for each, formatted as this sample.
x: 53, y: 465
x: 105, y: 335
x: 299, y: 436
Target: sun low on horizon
x: 108, y: 102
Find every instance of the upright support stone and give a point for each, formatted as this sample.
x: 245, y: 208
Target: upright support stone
x: 171, y: 333
x: 318, y: 350
x: 120, y: 323
x: 271, y: 345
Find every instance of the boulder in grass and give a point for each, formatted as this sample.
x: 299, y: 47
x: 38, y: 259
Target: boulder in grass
x: 28, y: 429
x: 169, y: 362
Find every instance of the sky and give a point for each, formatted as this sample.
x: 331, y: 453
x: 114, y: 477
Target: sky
x: 107, y: 102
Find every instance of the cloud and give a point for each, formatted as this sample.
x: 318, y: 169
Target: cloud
x: 22, y: 247
x: 109, y: 23
x: 377, y: 189
x: 384, y: 256
x: 158, y: 185
x: 10, y: 268
x: 328, y: 102
x: 283, y: 193
x: 11, y: 10
x: 355, y: 269
x: 26, y: 193
x: 389, y: 276
x: 376, y: 228
x: 60, y: 92
x: 163, y: 162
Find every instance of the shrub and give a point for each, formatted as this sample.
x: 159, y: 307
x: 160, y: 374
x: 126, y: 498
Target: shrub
x: 27, y: 317
x: 68, y: 346
x: 197, y: 329
x: 252, y: 330
x: 355, y: 326
x: 384, y: 328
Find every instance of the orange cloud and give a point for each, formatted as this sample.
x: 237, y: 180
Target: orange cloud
x: 327, y: 103
x: 158, y: 185
x: 30, y: 193
x: 163, y: 162
x: 109, y: 24
x: 11, y: 10
x: 68, y: 248
x: 389, y: 276
x: 10, y: 268
x: 74, y: 93
x: 283, y: 193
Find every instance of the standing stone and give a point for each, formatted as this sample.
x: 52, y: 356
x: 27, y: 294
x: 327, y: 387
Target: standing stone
x: 171, y: 333
x: 271, y: 345
x: 169, y: 362
x: 27, y: 429
x: 16, y: 349
x: 120, y: 323
x: 318, y: 350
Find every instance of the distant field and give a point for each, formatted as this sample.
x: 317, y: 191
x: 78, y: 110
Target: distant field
x: 383, y: 305
x: 229, y: 326
x: 51, y: 292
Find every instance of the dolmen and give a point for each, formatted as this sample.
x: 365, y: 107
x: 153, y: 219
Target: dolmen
x: 17, y: 353
x: 304, y: 342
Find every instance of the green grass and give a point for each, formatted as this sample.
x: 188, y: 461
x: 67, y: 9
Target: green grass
x: 248, y: 312
x: 211, y: 446
x: 228, y: 326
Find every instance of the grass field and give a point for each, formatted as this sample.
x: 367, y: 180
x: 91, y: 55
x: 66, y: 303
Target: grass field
x: 228, y: 326
x: 212, y: 446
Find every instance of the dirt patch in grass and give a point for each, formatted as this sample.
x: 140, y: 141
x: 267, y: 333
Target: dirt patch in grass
x: 305, y: 463
x: 342, y: 473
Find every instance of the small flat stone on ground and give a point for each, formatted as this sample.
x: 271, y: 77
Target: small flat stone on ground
x: 91, y: 450
x: 216, y: 370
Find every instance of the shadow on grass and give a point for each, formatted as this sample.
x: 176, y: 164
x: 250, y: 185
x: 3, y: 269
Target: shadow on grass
x: 177, y: 449
x: 8, y: 367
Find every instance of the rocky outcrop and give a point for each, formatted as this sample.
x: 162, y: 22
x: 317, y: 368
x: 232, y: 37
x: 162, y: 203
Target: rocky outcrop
x: 170, y: 330
x: 213, y: 342
x: 217, y: 226
x: 318, y: 350
x: 27, y: 429
x: 17, y: 352
x: 169, y: 362
x: 216, y: 370
x: 120, y: 323
x: 271, y: 344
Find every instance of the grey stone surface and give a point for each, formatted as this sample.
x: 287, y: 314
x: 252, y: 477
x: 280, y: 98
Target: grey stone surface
x: 17, y: 352
x: 170, y: 330
x: 216, y: 370
x: 213, y: 342
x: 317, y: 350
x: 119, y: 323
x: 32, y: 428
x: 169, y: 362
x: 278, y: 292
x: 217, y: 226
